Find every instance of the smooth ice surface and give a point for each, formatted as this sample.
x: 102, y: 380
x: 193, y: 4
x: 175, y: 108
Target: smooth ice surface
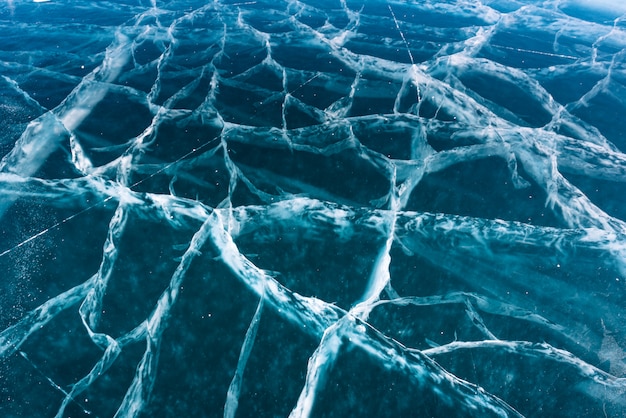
x: 312, y: 208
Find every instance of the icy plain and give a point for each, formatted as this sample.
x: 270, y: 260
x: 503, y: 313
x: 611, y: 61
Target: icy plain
x: 312, y: 208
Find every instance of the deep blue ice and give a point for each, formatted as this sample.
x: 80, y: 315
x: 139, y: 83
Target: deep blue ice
x: 312, y: 208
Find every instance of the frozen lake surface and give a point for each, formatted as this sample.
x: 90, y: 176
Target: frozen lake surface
x: 312, y: 208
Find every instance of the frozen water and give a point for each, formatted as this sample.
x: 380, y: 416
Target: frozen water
x: 312, y: 208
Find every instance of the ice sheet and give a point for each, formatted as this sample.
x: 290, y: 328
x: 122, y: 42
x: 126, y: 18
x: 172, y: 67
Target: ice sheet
x: 312, y: 208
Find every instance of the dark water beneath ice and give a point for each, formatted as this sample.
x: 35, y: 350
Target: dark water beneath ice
x: 312, y: 208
